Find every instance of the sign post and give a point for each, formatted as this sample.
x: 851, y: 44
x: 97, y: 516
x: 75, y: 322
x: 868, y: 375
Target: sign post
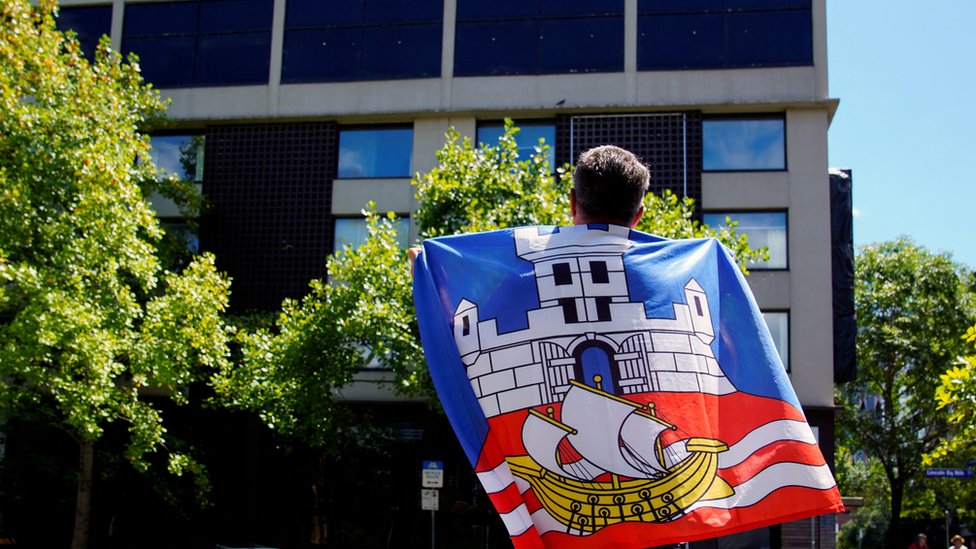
x: 432, y: 477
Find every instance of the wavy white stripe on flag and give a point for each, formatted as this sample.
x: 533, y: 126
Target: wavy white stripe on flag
x: 774, y: 431
x: 517, y: 521
x: 545, y: 523
x: 497, y: 479
x: 767, y: 481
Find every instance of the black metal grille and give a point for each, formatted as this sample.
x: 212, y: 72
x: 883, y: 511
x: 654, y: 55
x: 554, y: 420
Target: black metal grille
x: 669, y: 144
x: 269, y: 193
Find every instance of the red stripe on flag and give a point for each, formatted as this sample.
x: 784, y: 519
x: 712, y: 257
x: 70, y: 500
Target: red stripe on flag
x: 782, y: 451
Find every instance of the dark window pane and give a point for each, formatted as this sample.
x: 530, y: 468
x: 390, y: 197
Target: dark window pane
x: 317, y: 13
x: 744, y: 144
x: 403, y: 11
x: 679, y: 42
x: 235, y: 15
x: 592, y: 44
x: 496, y: 9
x: 685, y: 6
x: 165, y: 61
x: 89, y: 23
x: 561, y: 274
x: 233, y: 58
x: 598, y: 272
x: 402, y: 51
x: 768, y: 4
x: 570, y: 314
x: 486, y: 49
x: 180, y: 155
x: 757, y: 39
x: 331, y: 55
x: 381, y: 152
x: 603, y: 308
x: 160, y: 18
x: 527, y: 138
x: 581, y: 7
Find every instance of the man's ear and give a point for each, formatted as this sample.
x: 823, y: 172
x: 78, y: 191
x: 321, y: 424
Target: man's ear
x: 572, y: 203
x: 637, y: 216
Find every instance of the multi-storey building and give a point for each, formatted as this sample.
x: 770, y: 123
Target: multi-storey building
x: 292, y: 114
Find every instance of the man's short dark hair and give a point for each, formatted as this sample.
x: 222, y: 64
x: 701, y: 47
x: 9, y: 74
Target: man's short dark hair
x: 610, y: 184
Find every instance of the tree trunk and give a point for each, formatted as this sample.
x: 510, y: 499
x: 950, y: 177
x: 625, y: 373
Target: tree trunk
x: 894, y: 525
x: 79, y: 539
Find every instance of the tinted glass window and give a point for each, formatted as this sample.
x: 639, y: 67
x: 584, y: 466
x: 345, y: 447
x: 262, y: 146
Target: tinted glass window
x: 180, y: 155
x: 713, y: 34
x: 779, y: 327
x: 352, y: 231
x: 764, y: 229
x: 361, y: 40
x: 375, y: 152
x: 401, y: 51
x: 741, y: 144
x: 89, y: 24
x: 527, y: 138
x: 538, y: 37
x: 200, y: 43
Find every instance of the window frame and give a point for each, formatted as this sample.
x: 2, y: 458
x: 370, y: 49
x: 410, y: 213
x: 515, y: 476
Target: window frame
x: 198, y: 63
x: 521, y: 124
x: 788, y: 364
x: 402, y: 222
x: 749, y: 117
x: 729, y: 213
x: 378, y: 127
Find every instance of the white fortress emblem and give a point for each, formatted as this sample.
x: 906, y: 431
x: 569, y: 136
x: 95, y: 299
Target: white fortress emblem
x: 586, y: 325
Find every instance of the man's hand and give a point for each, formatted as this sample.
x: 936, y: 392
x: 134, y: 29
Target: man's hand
x: 412, y: 253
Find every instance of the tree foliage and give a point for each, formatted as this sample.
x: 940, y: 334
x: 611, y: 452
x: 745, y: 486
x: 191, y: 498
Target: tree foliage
x: 911, y: 305
x: 89, y: 318
x: 292, y: 373
x: 956, y: 395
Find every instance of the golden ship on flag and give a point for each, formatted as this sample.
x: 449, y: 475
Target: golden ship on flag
x: 622, y: 474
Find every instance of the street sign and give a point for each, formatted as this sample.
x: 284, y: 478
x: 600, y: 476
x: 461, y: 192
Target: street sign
x: 433, y: 474
x: 429, y: 500
x: 949, y: 473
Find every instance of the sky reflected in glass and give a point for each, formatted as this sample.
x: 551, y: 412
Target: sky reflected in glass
x: 743, y: 145
x: 375, y: 152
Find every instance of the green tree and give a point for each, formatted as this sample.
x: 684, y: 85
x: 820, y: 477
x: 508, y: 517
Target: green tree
x: 89, y: 318
x: 911, y: 305
x: 956, y: 394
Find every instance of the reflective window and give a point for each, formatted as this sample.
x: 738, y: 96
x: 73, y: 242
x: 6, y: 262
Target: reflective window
x: 779, y: 327
x: 90, y: 23
x: 715, y: 34
x: 352, y: 231
x: 511, y: 37
x: 361, y: 40
x: 527, y: 138
x: 181, y: 155
x: 743, y: 144
x: 202, y: 42
x: 375, y: 152
x: 764, y: 229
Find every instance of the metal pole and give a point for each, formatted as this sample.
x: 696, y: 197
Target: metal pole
x: 432, y: 530
x: 947, y: 525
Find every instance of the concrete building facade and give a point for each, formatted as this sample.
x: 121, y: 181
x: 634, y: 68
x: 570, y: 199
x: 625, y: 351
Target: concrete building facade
x: 726, y: 100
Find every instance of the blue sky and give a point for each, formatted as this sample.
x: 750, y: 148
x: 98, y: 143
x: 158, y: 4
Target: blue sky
x: 905, y: 74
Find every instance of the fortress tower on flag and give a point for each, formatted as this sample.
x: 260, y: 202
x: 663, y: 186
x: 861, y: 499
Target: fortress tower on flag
x: 586, y: 325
